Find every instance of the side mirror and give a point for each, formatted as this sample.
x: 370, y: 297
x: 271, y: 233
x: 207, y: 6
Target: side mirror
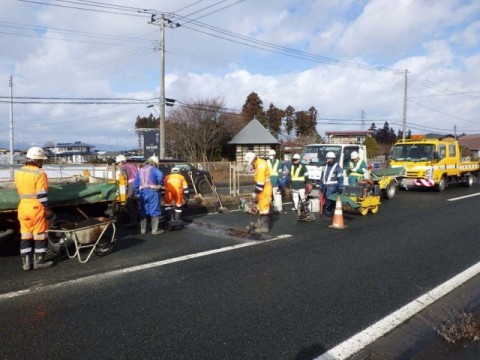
x: 435, y: 155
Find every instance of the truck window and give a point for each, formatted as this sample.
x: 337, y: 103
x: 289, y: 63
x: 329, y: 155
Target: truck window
x: 452, y: 150
x: 442, y: 151
x: 315, y: 154
x: 347, y: 151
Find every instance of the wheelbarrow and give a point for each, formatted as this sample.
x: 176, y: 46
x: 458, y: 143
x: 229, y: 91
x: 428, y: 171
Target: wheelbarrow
x: 96, y: 235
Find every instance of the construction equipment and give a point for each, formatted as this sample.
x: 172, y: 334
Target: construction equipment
x: 198, y: 197
x: 304, y: 211
x: 221, y: 208
x: 362, y: 198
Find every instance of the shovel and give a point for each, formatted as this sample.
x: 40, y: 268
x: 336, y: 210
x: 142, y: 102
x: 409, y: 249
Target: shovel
x: 198, y: 197
x: 221, y: 208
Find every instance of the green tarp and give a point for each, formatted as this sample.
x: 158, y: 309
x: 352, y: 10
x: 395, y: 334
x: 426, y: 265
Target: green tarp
x: 66, y: 194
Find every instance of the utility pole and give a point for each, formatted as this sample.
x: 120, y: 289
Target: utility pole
x: 11, y: 127
x: 162, y: 22
x: 363, y: 120
x: 405, y: 106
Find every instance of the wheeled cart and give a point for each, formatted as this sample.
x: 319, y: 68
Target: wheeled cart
x: 96, y: 235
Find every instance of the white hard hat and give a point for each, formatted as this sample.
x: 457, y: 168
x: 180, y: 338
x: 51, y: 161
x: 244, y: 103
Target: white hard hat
x: 175, y: 170
x: 272, y: 152
x: 153, y: 159
x: 354, y: 155
x: 330, y: 155
x: 120, y: 158
x: 296, y: 157
x: 36, y: 153
x: 250, y: 156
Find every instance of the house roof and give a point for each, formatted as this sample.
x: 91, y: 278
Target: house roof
x: 471, y: 142
x: 351, y: 132
x: 75, y: 144
x: 253, y: 133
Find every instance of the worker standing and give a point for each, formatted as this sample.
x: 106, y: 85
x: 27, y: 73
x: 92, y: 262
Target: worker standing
x: 33, y: 210
x: 356, y: 169
x: 129, y: 171
x: 331, y: 184
x: 147, y: 184
x: 262, y: 190
x: 176, y: 190
x: 275, y: 167
x: 298, y: 180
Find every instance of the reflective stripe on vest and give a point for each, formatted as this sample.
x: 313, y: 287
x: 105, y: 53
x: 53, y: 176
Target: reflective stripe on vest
x: 274, y: 168
x: 296, y: 174
x: 329, y: 180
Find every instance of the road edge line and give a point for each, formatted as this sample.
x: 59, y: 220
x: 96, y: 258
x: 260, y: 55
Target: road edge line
x: 359, y: 341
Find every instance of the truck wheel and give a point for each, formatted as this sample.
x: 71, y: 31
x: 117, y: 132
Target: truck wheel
x: 364, y: 211
x: 442, y: 184
x: 390, y: 191
x: 470, y: 180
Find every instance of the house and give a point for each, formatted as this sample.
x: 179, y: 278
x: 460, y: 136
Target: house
x: 253, y: 137
x: 347, y: 137
x: 472, y: 143
x: 72, y: 153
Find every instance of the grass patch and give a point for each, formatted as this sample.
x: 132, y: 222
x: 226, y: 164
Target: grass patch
x: 462, y: 327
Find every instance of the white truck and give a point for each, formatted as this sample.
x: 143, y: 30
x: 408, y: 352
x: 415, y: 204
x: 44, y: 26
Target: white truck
x: 314, y: 157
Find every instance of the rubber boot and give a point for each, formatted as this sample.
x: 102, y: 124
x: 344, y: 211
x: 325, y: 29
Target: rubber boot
x: 265, y: 219
x: 27, y: 262
x: 39, y: 263
x: 155, y: 222
x: 143, y: 225
x: 178, y: 214
x: 169, y: 213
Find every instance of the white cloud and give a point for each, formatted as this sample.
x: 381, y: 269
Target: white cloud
x: 107, y: 55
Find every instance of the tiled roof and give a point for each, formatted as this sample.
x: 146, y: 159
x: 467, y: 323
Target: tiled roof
x: 253, y: 133
x: 471, y: 142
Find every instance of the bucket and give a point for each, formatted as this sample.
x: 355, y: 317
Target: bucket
x: 314, y: 205
x: 277, y: 202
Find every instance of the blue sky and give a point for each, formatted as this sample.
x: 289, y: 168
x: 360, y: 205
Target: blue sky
x: 317, y: 53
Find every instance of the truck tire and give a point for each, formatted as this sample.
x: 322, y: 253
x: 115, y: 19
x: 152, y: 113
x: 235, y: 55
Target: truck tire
x: 390, y: 191
x: 442, y: 184
x: 470, y: 180
x: 203, y: 187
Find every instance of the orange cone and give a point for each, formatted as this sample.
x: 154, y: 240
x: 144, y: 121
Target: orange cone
x: 338, y: 216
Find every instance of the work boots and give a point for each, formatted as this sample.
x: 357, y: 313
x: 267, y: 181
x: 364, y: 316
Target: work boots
x: 264, y: 219
x: 155, y: 223
x: 39, y: 263
x: 143, y: 225
x: 27, y: 262
x: 178, y: 214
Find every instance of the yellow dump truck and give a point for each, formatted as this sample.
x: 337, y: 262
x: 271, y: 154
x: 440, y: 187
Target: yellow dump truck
x: 433, y: 163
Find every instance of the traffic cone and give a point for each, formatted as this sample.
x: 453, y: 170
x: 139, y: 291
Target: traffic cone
x: 338, y: 216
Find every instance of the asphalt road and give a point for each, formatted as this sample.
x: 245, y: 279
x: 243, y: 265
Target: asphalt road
x: 294, y: 294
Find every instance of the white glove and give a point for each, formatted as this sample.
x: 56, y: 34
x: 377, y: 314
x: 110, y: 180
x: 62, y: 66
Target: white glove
x: 254, y: 196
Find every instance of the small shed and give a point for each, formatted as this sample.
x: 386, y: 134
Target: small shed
x: 253, y: 137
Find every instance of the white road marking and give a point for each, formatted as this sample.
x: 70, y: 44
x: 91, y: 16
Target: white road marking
x: 132, y: 269
x: 366, y: 337
x: 463, y: 197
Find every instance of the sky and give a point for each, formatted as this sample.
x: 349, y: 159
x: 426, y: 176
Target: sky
x: 84, y: 70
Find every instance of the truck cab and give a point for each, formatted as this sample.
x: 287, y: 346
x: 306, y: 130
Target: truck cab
x: 313, y: 156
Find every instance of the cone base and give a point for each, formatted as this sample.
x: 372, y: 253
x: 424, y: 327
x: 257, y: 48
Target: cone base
x: 337, y: 227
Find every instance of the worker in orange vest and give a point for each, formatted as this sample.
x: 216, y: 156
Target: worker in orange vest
x: 262, y: 190
x: 176, y: 190
x: 33, y: 210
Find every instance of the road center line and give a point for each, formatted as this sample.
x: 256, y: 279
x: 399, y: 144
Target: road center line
x: 463, y: 197
x: 372, y: 333
x: 132, y: 269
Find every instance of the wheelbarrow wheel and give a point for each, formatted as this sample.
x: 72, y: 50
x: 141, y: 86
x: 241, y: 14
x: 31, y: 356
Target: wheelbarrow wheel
x: 57, y: 242
x: 105, y: 245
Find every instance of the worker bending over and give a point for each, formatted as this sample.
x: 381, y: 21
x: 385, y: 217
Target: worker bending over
x: 33, y: 211
x: 176, y: 190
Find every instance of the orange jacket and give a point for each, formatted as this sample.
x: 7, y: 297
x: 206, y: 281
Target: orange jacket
x: 32, y: 184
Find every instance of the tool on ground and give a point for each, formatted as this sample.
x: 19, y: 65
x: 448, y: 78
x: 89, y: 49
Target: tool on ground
x: 338, y: 216
x: 221, y: 208
x: 198, y: 197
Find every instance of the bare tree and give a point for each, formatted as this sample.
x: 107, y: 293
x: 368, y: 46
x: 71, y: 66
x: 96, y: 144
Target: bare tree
x: 198, y: 129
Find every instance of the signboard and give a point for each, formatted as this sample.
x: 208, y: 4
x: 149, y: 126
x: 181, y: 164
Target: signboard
x: 151, y: 143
